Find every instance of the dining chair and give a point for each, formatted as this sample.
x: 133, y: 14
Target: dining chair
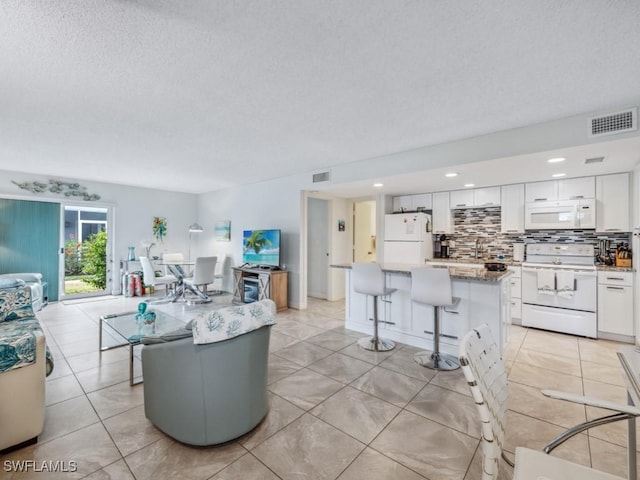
x: 203, y: 273
x: 486, y: 376
x: 149, y: 278
x: 224, y: 269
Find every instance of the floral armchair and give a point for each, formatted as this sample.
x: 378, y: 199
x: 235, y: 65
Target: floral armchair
x: 24, y: 363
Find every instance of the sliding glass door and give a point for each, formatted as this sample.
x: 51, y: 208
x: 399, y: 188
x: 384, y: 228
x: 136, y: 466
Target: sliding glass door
x: 30, y: 240
x: 87, y: 265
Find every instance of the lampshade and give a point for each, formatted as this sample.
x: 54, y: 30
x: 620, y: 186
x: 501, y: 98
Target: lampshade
x: 196, y: 227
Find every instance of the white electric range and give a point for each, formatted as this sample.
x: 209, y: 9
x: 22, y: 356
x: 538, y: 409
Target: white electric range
x: 559, y: 288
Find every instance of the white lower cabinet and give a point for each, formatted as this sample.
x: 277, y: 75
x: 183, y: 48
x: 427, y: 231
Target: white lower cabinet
x: 516, y: 294
x: 411, y: 323
x: 398, y: 305
x: 615, y: 305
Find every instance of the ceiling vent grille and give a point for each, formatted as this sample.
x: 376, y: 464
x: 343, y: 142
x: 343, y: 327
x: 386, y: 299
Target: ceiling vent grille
x: 614, y: 123
x: 321, y: 177
x: 589, y: 161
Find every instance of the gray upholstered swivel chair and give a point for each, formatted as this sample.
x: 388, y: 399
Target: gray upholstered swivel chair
x: 432, y: 286
x: 149, y: 276
x: 369, y: 279
x: 203, y: 273
x: 207, y: 394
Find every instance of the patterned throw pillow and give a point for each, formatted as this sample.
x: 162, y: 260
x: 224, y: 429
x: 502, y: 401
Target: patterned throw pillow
x: 15, y: 303
x: 218, y: 325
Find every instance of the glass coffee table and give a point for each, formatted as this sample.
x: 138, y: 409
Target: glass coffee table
x: 125, y: 326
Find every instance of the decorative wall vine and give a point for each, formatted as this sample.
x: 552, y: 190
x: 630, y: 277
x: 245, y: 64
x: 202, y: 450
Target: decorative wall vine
x: 61, y: 188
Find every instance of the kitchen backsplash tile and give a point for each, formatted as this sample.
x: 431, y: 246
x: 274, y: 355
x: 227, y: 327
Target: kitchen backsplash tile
x: 484, y: 224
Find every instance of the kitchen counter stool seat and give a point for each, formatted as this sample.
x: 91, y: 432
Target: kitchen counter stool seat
x: 369, y: 279
x: 432, y: 286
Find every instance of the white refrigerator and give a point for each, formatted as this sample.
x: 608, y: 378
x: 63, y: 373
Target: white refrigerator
x: 407, y: 238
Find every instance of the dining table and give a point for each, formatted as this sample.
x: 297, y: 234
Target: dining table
x: 177, y: 269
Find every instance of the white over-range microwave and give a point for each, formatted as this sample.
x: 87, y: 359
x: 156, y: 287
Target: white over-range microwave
x: 560, y: 214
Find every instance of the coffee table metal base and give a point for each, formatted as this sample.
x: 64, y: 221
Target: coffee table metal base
x: 111, y: 347
x: 125, y: 325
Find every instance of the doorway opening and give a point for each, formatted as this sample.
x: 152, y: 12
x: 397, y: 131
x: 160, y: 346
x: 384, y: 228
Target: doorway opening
x: 84, y: 233
x: 317, y: 247
x: 364, y: 231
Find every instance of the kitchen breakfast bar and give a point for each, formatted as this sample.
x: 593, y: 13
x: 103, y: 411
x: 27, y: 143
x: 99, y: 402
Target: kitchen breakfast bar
x: 485, y: 297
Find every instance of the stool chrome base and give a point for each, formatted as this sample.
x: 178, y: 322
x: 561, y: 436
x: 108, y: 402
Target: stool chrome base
x: 381, y: 345
x: 436, y: 361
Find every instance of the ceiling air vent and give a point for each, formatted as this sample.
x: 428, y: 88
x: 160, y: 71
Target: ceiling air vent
x: 589, y: 161
x: 614, y: 123
x: 321, y: 177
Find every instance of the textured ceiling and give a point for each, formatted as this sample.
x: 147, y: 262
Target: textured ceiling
x: 199, y: 95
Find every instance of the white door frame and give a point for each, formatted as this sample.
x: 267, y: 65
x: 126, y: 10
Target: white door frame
x: 113, y: 271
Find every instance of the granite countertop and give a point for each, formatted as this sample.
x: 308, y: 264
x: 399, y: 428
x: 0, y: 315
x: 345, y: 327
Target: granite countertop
x: 479, y: 261
x: 610, y: 268
x: 480, y: 274
x: 613, y: 268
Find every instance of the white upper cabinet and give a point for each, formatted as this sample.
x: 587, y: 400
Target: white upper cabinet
x: 486, y: 197
x: 412, y: 203
x: 612, y: 203
x: 541, y: 191
x: 441, y: 216
x: 576, y: 188
x: 570, y: 189
x: 478, y: 197
x: 402, y: 203
x: 512, y: 213
x: 423, y: 201
x: 461, y: 198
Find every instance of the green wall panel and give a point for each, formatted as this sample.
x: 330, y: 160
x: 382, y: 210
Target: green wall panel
x: 30, y: 239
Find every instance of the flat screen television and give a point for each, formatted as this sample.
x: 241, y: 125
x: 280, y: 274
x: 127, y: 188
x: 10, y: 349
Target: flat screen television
x: 261, y: 247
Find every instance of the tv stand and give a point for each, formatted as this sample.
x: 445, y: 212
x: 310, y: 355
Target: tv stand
x: 271, y: 284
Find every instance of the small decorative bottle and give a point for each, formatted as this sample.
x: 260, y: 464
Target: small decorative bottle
x: 132, y: 253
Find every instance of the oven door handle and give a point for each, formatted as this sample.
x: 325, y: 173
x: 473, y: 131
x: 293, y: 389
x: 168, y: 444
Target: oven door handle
x: 581, y: 273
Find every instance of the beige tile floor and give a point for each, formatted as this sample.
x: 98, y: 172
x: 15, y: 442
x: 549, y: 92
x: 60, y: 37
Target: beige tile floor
x: 335, y: 411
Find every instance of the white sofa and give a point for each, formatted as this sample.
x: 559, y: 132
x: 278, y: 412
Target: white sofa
x: 22, y: 400
x: 24, y: 363
x: 33, y: 281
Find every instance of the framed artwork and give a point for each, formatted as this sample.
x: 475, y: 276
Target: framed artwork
x: 159, y: 228
x: 341, y: 225
x: 222, y: 231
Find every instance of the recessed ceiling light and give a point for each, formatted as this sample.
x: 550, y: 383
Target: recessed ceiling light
x: 556, y: 175
x: 556, y: 160
x: 467, y: 185
x: 451, y: 174
x: 378, y: 185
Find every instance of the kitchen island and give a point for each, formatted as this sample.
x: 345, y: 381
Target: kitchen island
x: 485, y: 297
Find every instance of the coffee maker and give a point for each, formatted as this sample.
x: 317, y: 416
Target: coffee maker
x: 444, y: 246
x: 441, y: 247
